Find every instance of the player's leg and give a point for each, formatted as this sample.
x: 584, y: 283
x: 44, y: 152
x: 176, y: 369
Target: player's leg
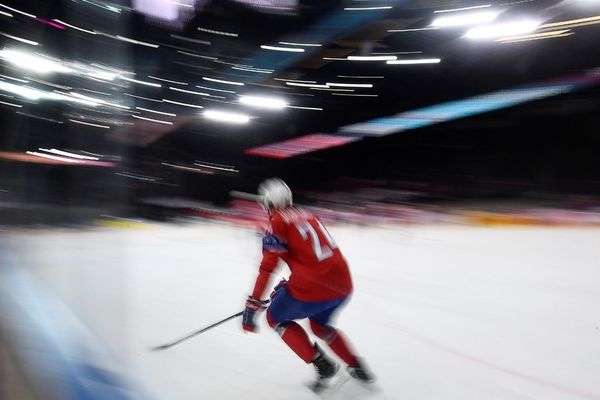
x: 282, y: 312
x: 338, y: 343
x: 319, y: 323
x: 280, y: 316
x: 294, y: 336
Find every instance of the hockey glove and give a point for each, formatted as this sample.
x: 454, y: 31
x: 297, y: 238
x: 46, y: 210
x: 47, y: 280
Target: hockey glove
x: 282, y: 284
x: 252, y: 307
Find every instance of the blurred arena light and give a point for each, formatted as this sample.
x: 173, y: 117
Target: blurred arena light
x: 309, y: 85
x: 68, y: 154
x: 190, y: 169
x: 374, y: 8
x: 429, y: 28
x: 20, y: 39
x: 99, y: 74
x: 134, y: 41
x: 96, y: 100
x: 332, y: 89
x: 223, y: 81
x: 493, y: 31
x: 293, y: 80
x: 72, y: 97
x: 279, y: 48
x: 464, y: 19
x: 371, y: 58
x: 307, y: 108
x: 219, y: 167
x: 179, y: 103
x: 141, y: 82
x: 168, y: 11
x: 167, y: 80
x: 23, y: 91
x: 89, y: 124
x: 415, y: 61
x: 536, y: 36
x: 35, y: 94
x: 33, y: 62
x: 226, y: 116
x: 156, y: 112
x: 215, y: 32
x: 355, y: 85
x: 188, y: 91
x: 105, y: 7
x: 14, y: 79
x: 463, y: 8
x: 258, y: 71
x: 574, y: 23
x: 11, y: 104
x: 57, y: 158
x: 75, y: 27
x: 158, y: 121
x: 301, y: 44
x: 46, y: 83
x: 17, y: 11
x: 286, y: 7
x: 271, y: 103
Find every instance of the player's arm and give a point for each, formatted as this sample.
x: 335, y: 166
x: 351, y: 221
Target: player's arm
x: 274, y: 246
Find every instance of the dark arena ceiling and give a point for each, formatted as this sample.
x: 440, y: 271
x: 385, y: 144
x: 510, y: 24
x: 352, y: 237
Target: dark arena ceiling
x: 228, y: 89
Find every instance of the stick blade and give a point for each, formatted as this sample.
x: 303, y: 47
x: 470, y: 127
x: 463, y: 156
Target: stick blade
x: 159, y: 348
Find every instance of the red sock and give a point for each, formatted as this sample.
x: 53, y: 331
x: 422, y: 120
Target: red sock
x: 336, y: 342
x: 297, y: 339
x: 340, y: 347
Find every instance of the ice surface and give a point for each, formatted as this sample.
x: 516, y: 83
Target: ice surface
x: 439, y: 312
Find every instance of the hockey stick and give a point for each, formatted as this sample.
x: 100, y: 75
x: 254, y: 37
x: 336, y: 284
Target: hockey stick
x: 191, y: 335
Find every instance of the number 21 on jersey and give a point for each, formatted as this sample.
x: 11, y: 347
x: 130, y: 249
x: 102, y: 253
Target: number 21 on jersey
x: 321, y: 250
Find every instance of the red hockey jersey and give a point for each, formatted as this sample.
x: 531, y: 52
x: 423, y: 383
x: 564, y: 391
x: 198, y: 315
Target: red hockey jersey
x: 319, y: 272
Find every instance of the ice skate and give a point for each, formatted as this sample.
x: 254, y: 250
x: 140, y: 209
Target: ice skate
x: 326, y: 371
x: 361, y: 373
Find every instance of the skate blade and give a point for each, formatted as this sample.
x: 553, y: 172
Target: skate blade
x: 330, y: 385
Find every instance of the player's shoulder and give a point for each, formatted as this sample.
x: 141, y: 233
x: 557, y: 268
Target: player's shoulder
x: 291, y: 215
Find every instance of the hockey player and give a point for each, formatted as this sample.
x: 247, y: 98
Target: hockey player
x: 318, y: 285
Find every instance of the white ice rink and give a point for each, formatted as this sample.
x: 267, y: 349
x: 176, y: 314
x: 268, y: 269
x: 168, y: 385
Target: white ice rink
x: 439, y: 312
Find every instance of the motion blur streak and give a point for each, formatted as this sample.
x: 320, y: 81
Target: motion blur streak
x: 475, y: 18
x: 574, y: 22
x: 20, y: 39
x: 535, y: 36
x: 159, y: 121
x: 502, y: 29
x: 65, y: 159
x: 182, y: 104
x: 227, y: 117
x: 89, y: 124
x: 263, y: 102
x: 18, y: 11
x: 33, y: 62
